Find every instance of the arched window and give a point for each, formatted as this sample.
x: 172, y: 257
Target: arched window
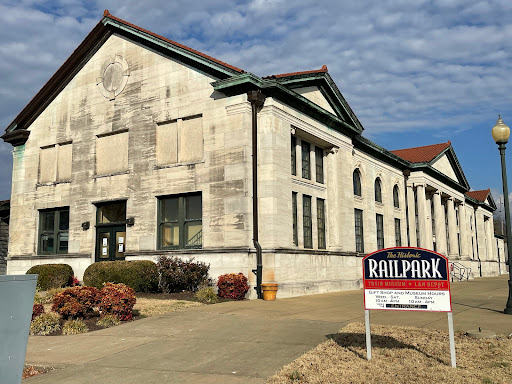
x: 356, y: 179
x: 396, y: 197
x: 378, y: 190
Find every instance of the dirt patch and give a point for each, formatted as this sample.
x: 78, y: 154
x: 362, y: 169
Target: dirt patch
x: 185, y: 295
x: 400, y: 355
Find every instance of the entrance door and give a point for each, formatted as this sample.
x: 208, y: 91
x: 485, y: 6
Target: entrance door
x: 111, y: 231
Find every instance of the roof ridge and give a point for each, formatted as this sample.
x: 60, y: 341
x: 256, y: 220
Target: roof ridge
x: 277, y: 76
x: 107, y: 14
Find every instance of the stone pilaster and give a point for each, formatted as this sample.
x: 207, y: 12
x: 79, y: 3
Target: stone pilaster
x: 452, y: 228
x: 412, y: 216
x: 440, y: 226
x: 422, y: 215
x: 465, y: 240
x: 480, y: 234
x: 489, y: 240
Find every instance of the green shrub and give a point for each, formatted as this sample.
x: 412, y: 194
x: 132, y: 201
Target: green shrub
x: 117, y: 300
x: 141, y: 275
x: 52, y: 275
x: 177, y: 275
x: 45, y: 324
x: 74, y: 327
x: 108, y: 321
x: 233, y: 286
x: 207, y: 295
x: 76, y: 302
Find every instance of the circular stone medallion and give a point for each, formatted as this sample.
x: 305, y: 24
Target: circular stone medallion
x: 114, y: 76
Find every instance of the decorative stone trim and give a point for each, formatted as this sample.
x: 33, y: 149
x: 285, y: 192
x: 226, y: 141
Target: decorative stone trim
x: 55, y: 256
x: 309, y: 184
x: 159, y: 252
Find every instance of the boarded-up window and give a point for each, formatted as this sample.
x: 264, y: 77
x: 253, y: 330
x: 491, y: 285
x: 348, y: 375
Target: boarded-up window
x: 64, y: 162
x: 180, y: 141
x: 112, y: 153
x: 167, y: 143
x: 191, y: 140
x: 48, y: 164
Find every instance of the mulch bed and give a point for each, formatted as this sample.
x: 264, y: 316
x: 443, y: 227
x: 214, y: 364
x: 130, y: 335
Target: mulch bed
x: 185, y: 295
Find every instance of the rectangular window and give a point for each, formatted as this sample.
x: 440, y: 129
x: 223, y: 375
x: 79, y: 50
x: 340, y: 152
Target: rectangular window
x: 293, y: 150
x: 398, y: 234
x: 319, y: 160
x: 307, y: 221
x: 320, y: 214
x: 380, y: 231
x: 306, y: 160
x: 359, y: 230
x: 54, y: 231
x: 180, y: 221
x: 294, y: 213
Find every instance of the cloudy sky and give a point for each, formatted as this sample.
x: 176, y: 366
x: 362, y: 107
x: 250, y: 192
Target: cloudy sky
x: 415, y: 72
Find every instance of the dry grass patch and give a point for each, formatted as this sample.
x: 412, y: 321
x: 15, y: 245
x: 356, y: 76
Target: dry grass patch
x: 154, y: 307
x: 400, y: 355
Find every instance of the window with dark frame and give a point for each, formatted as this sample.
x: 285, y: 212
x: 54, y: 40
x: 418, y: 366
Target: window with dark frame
x: 307, y: 221
x: 356, y: 180
x: 398, y: 234
x: 396, y: 197
x: 54, y: 231
x: 380, y: 231
x: 180, y: 221
x: 320, y: 214
x: 294, y: 214
x: 294, y: 155
x: 319, y: 160
x: 306, y: 160
x: 358, y: 214
x: 378, y: 190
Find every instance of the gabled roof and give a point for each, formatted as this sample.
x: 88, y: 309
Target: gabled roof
x: 323, y: 69
x: 423, y: 154
x: 479, y: 195
x: 483, y: 198
x: 109, y: 25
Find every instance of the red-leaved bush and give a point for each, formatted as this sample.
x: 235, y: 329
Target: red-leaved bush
x: 117, y: 300
x: 37, y: 309
x: 232, y: 286
x: 76, y: 302
x: 73, y: 282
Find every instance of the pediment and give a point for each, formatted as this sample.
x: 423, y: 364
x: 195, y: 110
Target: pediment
x: 444, y: 166
x: 314, y: 95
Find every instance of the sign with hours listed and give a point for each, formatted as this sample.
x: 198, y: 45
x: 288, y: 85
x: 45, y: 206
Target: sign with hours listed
x: 406, y: 279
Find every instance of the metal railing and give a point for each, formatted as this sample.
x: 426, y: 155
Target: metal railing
x: 459, y: 272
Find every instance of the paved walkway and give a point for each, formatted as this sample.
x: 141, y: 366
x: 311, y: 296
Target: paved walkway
x: 241, y: 342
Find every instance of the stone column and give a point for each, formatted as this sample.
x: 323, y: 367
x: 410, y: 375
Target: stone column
x: 334, y: 222
x: 412, y: 216
x: 463, y: 230
x: 452, y: 228
x: 489, y: 240
x: 440, y: 226
x: 480, y: 234
x: 422, y: 215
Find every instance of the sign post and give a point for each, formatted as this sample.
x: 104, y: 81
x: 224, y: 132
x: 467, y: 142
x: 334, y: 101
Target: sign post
x: 407, y: 279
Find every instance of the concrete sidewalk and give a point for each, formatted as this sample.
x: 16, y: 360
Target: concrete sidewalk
x: 242, y: 342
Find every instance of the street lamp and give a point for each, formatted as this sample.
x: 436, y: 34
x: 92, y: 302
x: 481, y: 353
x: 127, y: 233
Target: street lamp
x: 500, y: 134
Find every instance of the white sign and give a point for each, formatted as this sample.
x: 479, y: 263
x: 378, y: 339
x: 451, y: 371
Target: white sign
x: 407, y: 300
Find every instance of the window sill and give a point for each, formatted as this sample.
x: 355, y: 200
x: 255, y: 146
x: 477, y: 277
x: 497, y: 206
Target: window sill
x: 53, y: 183
x: 51, y: 256
x: 308, y: 183
x: 358, y: 198
x: 111, y: 174
x: 178, y: 165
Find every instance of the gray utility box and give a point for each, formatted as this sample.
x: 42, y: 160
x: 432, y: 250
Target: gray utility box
x: 16, y: 301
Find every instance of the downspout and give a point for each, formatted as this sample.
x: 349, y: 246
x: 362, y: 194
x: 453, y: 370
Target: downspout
x: 257, y: 99
x: 407, y: 173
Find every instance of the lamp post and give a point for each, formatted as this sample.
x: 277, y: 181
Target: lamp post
x: 500, y: 134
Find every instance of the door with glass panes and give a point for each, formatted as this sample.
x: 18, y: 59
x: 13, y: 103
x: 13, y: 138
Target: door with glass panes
x: 111, y: 231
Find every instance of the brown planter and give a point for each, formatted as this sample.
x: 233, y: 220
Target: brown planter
x: 269, y: 291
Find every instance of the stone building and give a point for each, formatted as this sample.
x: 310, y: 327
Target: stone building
x: 4, y: 234
x: 139, y: 146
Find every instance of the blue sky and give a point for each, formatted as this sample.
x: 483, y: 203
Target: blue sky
x: 414, y: 72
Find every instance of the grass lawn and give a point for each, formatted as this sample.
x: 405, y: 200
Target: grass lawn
x: 400, y: 355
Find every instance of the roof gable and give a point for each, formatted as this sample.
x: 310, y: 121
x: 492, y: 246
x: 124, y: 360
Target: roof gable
x: 482, y: 197
x: 422, y: 154
x: 443, y: 165
x: 92, y: 42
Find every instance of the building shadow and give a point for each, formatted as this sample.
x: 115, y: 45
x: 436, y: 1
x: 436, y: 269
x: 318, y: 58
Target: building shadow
x: 353, y: 341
